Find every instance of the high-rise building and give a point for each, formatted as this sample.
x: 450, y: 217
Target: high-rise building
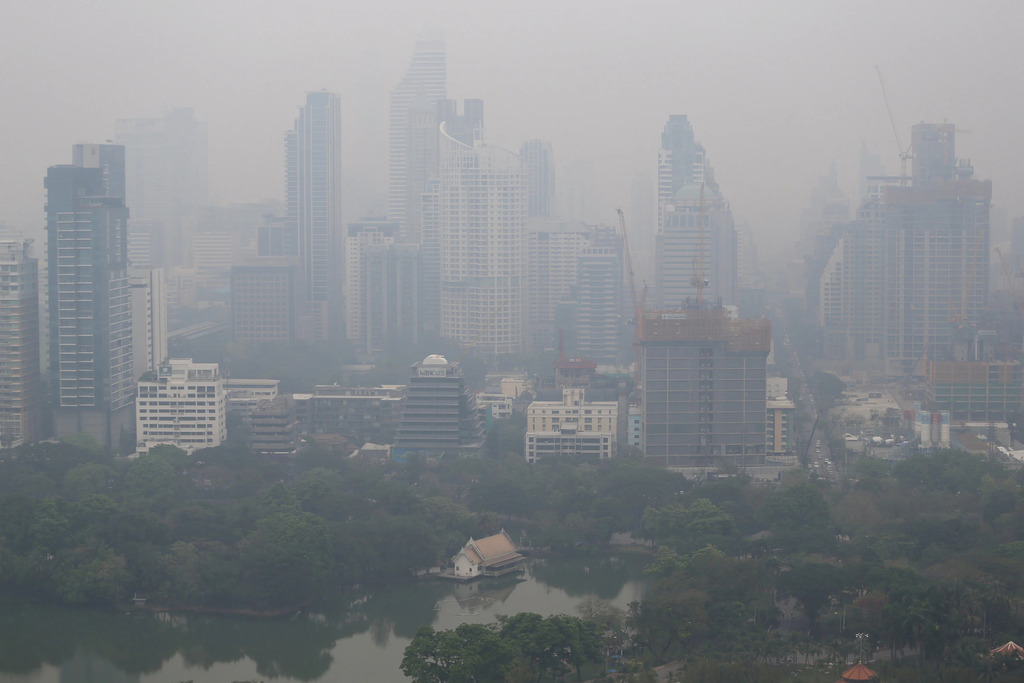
x: 936, y: 250
x: 439, y: 417
x: 390, y: 288
x: 465, y: 128
x: 183, y: 407
x: 313, y: 206
x: 266, y: 303
x: 481, y: 214
x: 21, y: 382
x: 913, y: 266
x: 704, y: 382
x: 166, y: 184
x: 149, y: 319
x: 412, y: 135
x: 599, y: 297
x: 696, y: 244
x: 539, y: 162
x: 89, y: 294
x: 553, y: 251
x: 361, y: 234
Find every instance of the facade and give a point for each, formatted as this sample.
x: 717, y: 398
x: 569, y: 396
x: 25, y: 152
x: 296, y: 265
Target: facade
x: 359, y: 414
x: 780, y: 425
x: 273, y: 429
x: 439, y: 417
x: 243, y: 395
x: 184, y: 407
x: 539, y: 162
x: 412, y: 135
x: 696, y: 242
x: 265, y: 301
x: 482, y: 207
x: 599, y: 297
x: 89, y: 295
x: 703, y: 385
x: 21, y: 381
x: 492, y: 556
x: 382, y: 285
x: 571, y: 427
x: 552, y: 264
x: 313, y: 210
x: 149, y: 319
x: 166, y: 184
x: 391, y: 286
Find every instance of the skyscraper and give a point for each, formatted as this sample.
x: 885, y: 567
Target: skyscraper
x: 313, y: 206
x: 936, y: 250
x: 464, y: 128
x: 915, y: 262
x: 695, y: 244
x: 481, y: 213
x: 90, y: 298
x: 166, y: 185
x: 539, y: 161
x: 704, y: 385
x: 412, y: 134
x: 21, y: 383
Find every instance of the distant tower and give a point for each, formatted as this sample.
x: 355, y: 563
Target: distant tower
x: 412, y: 134
x: 539, y: 162
x: 362, y: 234
x: 481, y: 213
x: 90, y: 299
x: 21, y: 383
x: 599, y: 290
x: 696, y: 237
x: 313, y: 196
x: 465, y: 128
x: 149, y: 319
x: 166, y: 183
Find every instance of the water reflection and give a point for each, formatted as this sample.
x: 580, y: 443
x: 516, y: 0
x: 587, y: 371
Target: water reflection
x: 48, y: 644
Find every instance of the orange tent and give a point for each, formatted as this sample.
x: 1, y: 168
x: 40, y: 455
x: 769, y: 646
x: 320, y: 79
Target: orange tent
x: 858, y: 672
x: 1010, y: 649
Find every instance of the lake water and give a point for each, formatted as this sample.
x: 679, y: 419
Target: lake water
x: 360, y: 637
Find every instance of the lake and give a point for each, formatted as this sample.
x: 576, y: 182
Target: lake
x: 357, y: 637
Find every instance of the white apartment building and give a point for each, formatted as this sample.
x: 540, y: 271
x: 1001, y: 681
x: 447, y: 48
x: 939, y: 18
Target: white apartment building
x: 149, y: 318
x: 183, y: 407
x: 481, y: 214
x: 571, y: 426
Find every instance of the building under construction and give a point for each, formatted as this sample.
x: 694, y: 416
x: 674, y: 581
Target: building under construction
x: 703, y: 386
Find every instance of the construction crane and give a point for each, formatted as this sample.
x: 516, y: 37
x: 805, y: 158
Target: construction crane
x: 638, y: 302
x: 904, y: 152
x: 699, y: 279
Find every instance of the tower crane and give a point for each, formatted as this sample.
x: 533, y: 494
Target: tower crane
x: 905, y: 152
x: 638, y: 302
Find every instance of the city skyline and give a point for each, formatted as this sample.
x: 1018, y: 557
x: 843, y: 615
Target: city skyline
x: 774, y: 124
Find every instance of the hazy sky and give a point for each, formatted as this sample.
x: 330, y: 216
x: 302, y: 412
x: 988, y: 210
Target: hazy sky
x: 776, y: 91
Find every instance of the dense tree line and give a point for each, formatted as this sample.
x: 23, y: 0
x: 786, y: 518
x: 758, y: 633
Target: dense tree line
x: 228, y: 528
x: 925, y: 556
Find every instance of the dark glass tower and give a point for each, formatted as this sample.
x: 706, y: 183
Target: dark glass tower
x: 89, y: 295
